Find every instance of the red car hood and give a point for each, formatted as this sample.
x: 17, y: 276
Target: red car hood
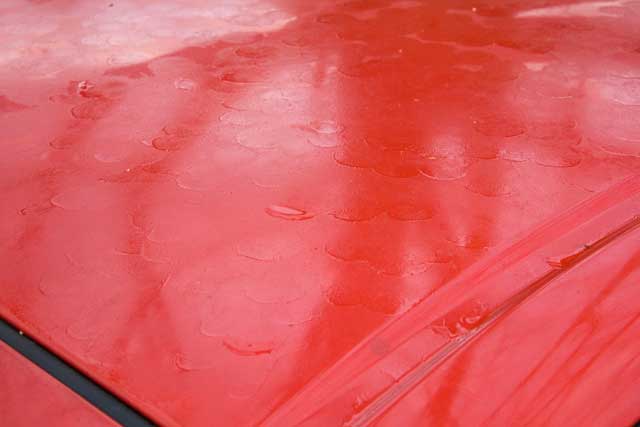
x: 328, y: 213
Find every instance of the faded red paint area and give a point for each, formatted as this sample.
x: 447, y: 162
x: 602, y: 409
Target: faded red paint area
x: 281, y: 212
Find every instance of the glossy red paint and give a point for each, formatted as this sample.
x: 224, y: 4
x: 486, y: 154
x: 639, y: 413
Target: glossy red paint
x: 30, y: 397
x: 328, y: 213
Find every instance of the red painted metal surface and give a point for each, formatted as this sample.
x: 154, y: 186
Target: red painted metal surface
x: 30, y: 397
x: 328, y: 213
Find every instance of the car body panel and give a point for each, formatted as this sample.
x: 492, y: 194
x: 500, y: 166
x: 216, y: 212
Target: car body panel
x: 284, y: 212
x: 29, y: 397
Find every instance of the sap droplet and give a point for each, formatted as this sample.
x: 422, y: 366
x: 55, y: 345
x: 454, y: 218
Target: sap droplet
x: 445, y: 169
x: 461, y: 320
x: 8, y: 106
x: 559, y: 157
x: 325, y: 127
x: 408, y: 212
x: 62, y: 142
x: 248, y: 348
x: 568, y: 260
x: 84, y: 87
x: 83, y: 330
x: 90, y: 197
x: 348, y: 295
x: 270, y: 248
x: 499, y: 125
x: 186, y: 363
x: 169, y: 143
x: 36, y: 208
x: 288, y: 213
x: 470, y: 241
x: 185, y: 84
x: 360, y: 402
x: 490, y: 178
x: 91, y: 110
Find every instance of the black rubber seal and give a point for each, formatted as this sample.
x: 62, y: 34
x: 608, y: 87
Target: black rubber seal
x: 103, y: 400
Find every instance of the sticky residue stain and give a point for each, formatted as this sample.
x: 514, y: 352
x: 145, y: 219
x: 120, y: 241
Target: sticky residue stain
x: 185, y: 84
x: 325, y: 127
x: 288, y: 213
x: 245, y: 348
